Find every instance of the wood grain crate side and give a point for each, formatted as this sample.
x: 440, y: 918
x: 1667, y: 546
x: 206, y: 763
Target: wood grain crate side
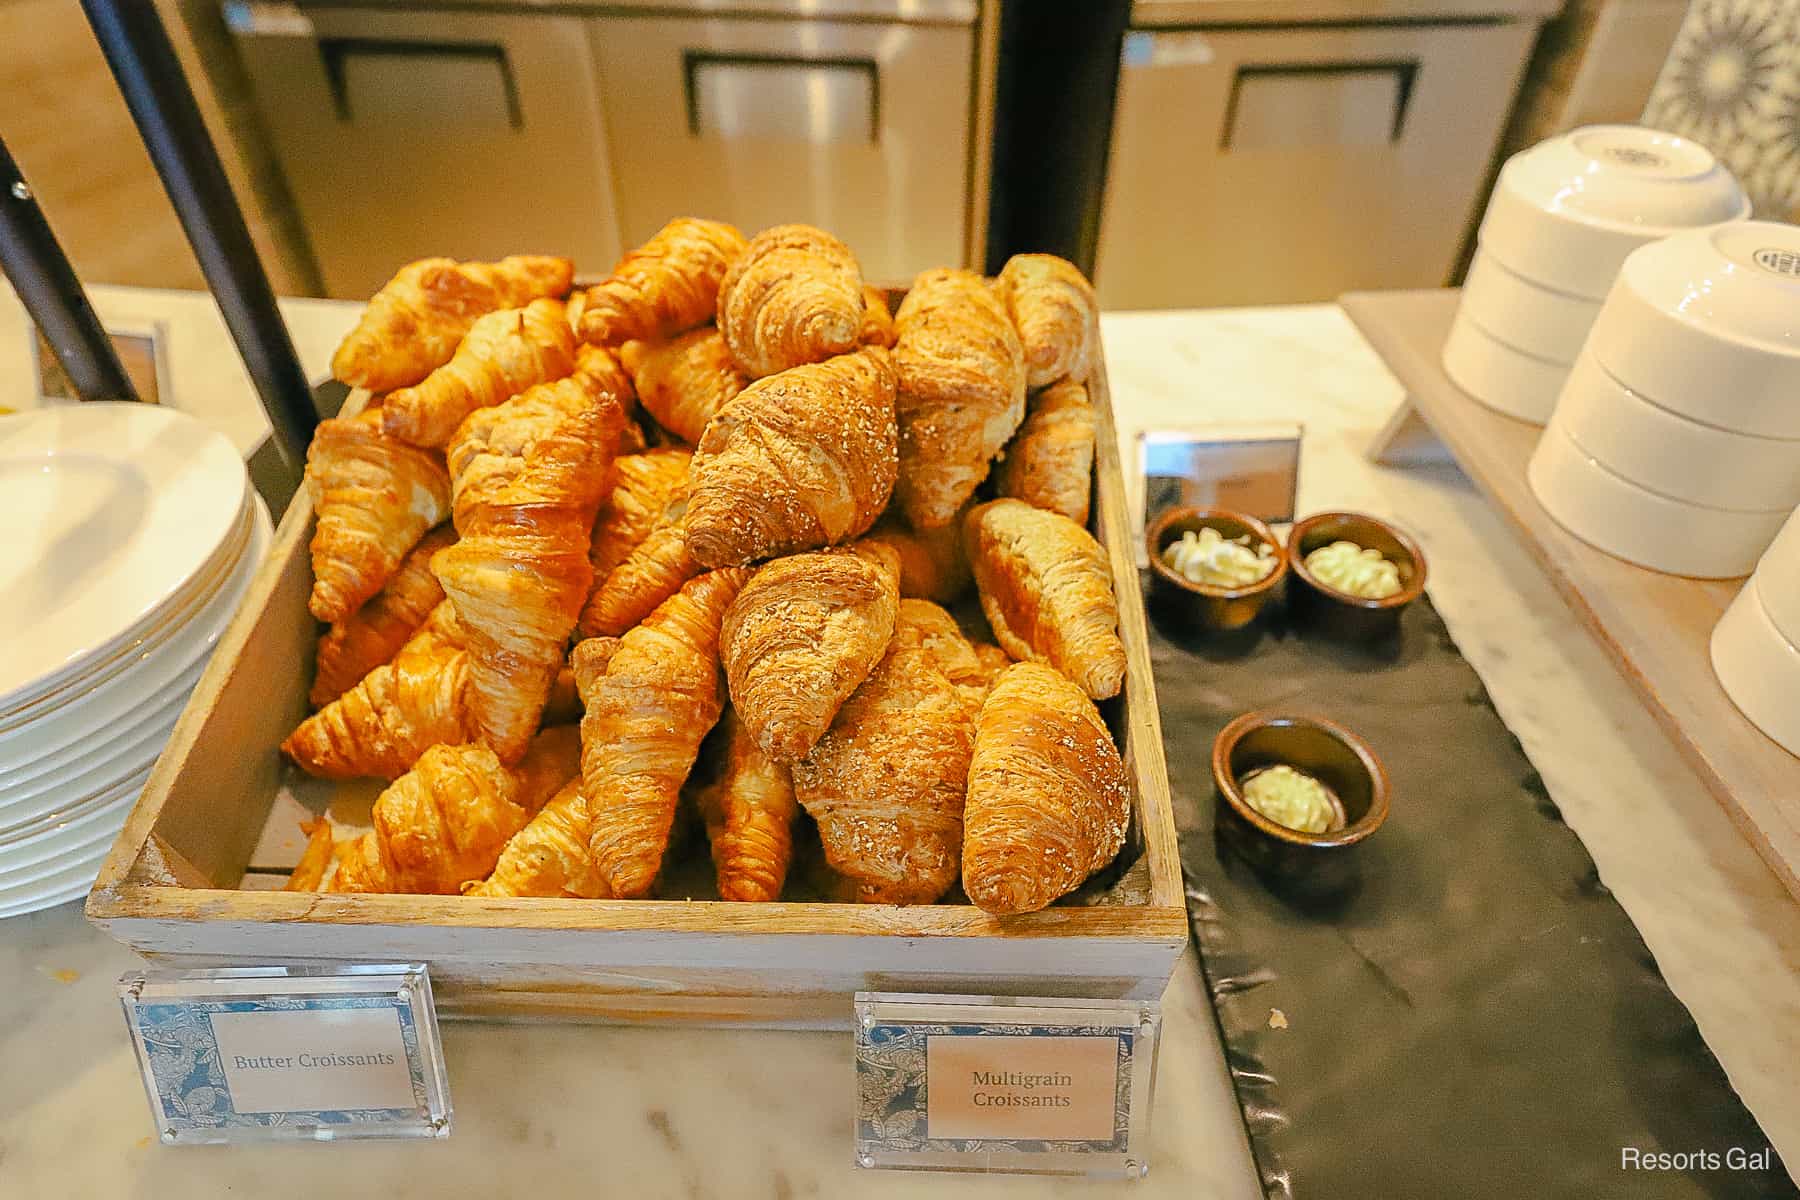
x: 781, y: 964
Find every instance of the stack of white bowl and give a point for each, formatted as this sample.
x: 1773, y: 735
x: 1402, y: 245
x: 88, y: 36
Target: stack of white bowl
x: 1563, y: 216
x: 131, y: 536
x: 1676, y: 442
x: 1756, y: 645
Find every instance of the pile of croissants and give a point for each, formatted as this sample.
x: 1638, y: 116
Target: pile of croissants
x: 715, y: 502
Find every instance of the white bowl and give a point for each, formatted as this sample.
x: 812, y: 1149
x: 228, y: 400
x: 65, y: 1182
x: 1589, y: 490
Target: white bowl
x: 1626, y: 521
x: 1504, y: 378
x: 1566, y: 212
x: 1708, y: 324
x: 1758, y: 668
x: 1518, y: 312
x: 1682, y: 459
x: 1778, y: 577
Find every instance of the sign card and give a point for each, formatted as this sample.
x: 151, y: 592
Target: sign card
x: 997, y: 1083
x: 289, y: 1053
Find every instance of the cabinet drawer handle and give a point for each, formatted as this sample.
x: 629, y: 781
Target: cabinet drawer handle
x: 337, y: 52
x: 803, y: 110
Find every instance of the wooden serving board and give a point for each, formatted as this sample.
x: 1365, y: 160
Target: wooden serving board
x: 1657, y: 627
x: 175, y: 886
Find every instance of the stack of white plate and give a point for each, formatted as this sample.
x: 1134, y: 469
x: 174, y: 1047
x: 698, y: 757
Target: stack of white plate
x: 131, y: 533
x: 1676, y: 441
x: 1562, y: 219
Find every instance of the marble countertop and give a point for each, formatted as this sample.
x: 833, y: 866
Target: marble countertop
x: 549, y: 1110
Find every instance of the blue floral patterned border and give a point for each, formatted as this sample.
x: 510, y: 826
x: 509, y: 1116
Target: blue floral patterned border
x: 891, y: 1089
x: 182, y: 1054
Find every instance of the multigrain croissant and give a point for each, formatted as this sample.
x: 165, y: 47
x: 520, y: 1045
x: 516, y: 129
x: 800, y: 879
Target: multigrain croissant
x: 419, y: 317
x: 794, y: 296
x: 885, y: 783
x: 375, y: 497
x: 1053, y: 307
x: 505, y: 353
x: 684, y: 381
x: 399, y: 710
x: 961, y: 391
x: 1046, y: 591
x: 932, y: 566
x: 520, y: 572
x: 374, y: 633
x: 1050, y: 461
x: 661, y: 691
x: 666, y: 286
x: 749, y: 813
x: 799, y: 460
x: 802, y: 635
x: 877, y: 322
x: 1048, y: 798
x: 443, y: 823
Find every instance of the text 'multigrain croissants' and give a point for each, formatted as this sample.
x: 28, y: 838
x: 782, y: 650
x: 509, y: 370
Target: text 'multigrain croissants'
x: 723, y: 507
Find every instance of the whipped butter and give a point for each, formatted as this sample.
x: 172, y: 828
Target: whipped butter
x: 1208, y: 557
x: 1355, y: 570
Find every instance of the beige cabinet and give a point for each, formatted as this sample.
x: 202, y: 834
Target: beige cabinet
x: 1281, y: 163
x: 403, y: 134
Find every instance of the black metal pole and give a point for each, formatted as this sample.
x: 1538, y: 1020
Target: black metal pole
x: 51, y: 293
x: 143, y: 61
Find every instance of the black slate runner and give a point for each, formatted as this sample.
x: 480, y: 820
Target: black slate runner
x: 1476, y: 1016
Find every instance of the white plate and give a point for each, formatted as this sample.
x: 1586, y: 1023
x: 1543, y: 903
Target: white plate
x: 175, y: 666
x: 76, y: 880
x: 86, y: 777
x: 70, y: 842
x: 62, y: 809
x: 111, y: 509
x: 143, y: 642
x: 80, y: 757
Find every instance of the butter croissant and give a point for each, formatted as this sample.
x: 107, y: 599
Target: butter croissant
x: 886, y: 782
x: 375, y: 497
x: 802, y: 635
x: 444, y: 823
x: 398, y: 711
x: 374, y: 633
x: 653, y: 571
x: 1048, y: 797
x: 684, y: 381
x: 520, y: 572
x: 799, y: 460
x: 794, y: 296
x: 1050, y: 461
x: 749, y: 813
x: 1047, y: 592
x: 1053, y: 307
x: 661, y: 692
x: 666, y: 286
x: 961, y: 391
x: 642, y: 486
x: 505, y: 353
x: 419, y: 317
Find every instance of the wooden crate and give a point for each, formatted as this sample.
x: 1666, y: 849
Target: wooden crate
x: 172, y: 888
